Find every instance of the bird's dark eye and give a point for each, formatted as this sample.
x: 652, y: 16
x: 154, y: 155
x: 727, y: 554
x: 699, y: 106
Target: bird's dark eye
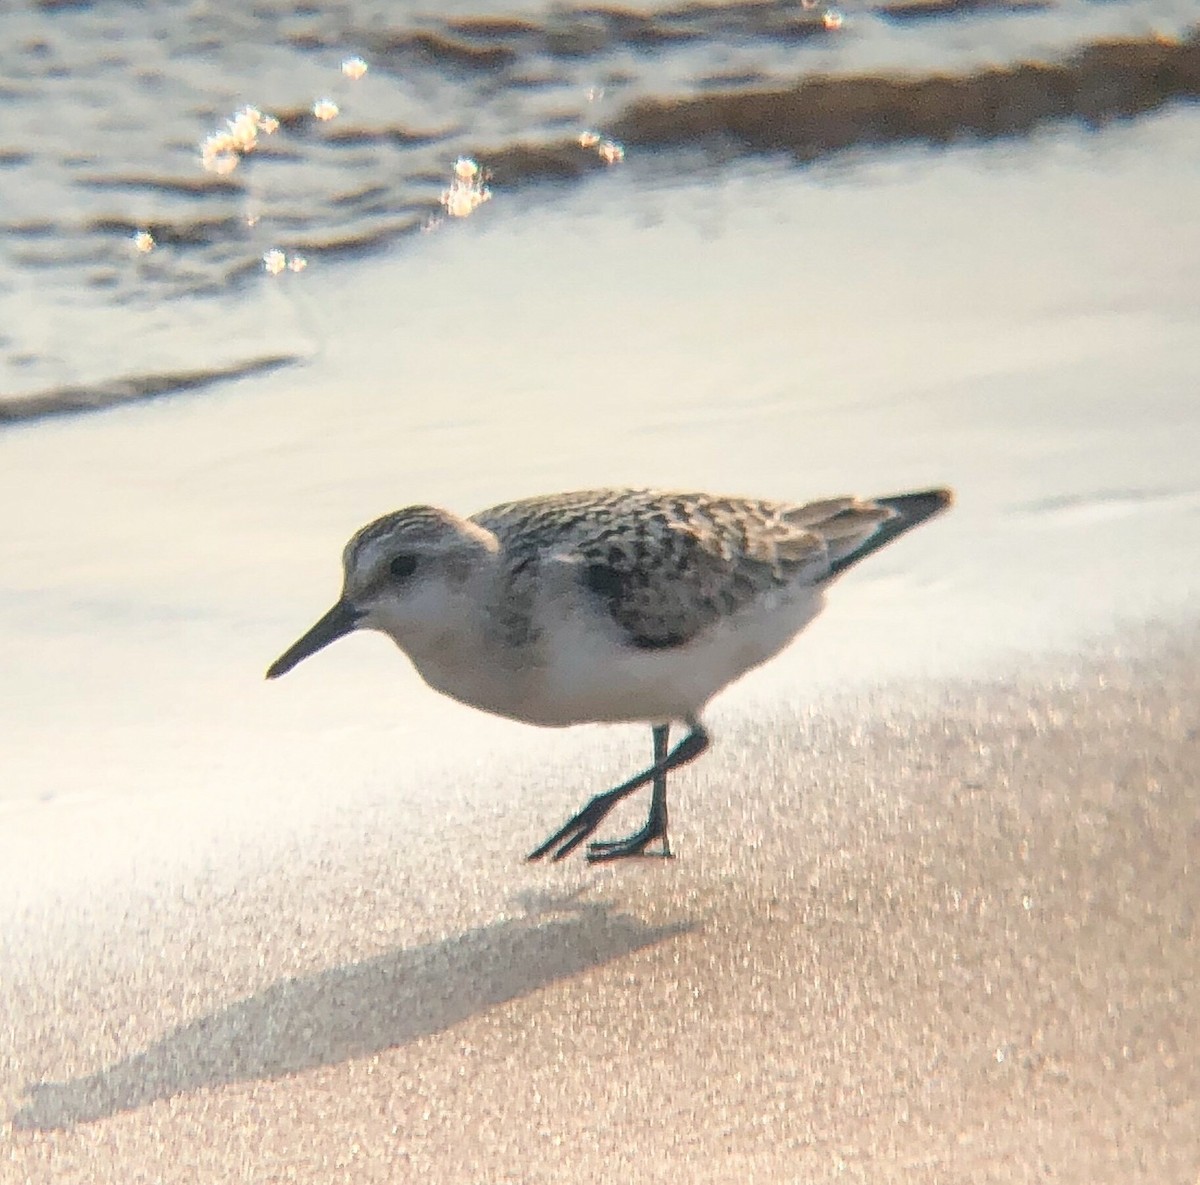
x: 402, y: 567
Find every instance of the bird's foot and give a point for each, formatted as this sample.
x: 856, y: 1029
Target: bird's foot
x: 577, y: 828
x: 632, y: 845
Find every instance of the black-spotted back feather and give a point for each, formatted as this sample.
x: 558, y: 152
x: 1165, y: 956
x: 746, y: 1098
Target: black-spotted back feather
x: 668, y: 565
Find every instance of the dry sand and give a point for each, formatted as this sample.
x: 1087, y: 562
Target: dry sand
x: 931, y: 934
x: 945, y: 933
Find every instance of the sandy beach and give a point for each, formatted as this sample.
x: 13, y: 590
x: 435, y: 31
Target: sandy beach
x: 933, y: 913
x: 938, y: 932
x: 930, y: 934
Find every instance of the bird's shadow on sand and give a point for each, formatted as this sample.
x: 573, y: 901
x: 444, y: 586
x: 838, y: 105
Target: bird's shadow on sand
x: 350, y: 1011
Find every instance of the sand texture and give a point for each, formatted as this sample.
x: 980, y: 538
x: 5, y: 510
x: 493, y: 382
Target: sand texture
x: 927, y: 935
x: 942, y: 932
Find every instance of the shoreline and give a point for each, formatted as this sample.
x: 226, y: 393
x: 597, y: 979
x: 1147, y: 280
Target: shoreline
x: 930, y: 940
x: 817, y: 117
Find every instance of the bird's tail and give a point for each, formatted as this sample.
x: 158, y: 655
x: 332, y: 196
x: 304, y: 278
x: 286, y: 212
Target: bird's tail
x: 908, y: 511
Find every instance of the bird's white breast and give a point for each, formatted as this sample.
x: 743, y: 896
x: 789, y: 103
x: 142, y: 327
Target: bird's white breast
x: 590, y: 673
x: 571, y: 663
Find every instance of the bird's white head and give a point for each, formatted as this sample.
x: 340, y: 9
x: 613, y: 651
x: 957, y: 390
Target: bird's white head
x: 413, y: 575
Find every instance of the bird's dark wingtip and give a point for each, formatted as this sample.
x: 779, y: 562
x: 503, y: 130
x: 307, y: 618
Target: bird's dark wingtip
x: 920, y: 504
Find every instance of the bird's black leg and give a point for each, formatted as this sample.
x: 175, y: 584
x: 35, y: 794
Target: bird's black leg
x: 656, y: 824
x: 580, y: 826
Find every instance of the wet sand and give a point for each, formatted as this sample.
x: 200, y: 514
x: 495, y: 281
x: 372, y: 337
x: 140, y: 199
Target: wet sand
x: 932, y: 934
x: 940, y: 933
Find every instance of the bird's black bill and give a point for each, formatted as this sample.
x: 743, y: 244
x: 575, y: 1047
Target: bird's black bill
x: 338, y: 622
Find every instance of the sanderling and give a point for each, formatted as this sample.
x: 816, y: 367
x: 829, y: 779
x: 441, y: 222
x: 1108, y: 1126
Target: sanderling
x: 603, y: 605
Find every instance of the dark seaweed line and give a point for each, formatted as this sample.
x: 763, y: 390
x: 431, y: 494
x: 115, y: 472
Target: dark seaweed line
x: 822, y: 115
x: 818, y: 116
x: 1105, y: 81
x: 101, y: 396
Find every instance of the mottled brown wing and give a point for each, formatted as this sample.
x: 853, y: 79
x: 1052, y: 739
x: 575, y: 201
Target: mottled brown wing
x: 666, y: 566
x: 667, y: 574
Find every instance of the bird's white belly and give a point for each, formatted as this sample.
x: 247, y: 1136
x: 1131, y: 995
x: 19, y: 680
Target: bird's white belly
x: 582, y: 670
x: 589, y: 676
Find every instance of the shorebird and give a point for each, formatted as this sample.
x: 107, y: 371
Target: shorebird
x: 604, y: 606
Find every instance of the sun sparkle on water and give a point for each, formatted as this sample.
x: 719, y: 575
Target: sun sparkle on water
x: 468, y: 190
x: 276, y: 261
x: 221, y: 152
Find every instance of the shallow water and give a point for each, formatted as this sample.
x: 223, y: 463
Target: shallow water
x: 106, y: 108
